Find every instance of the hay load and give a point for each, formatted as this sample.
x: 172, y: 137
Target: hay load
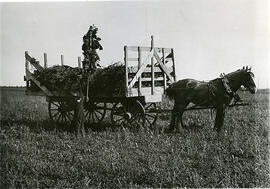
x: 109, y: 81
x: 58, y: 78
x: 65, y: 79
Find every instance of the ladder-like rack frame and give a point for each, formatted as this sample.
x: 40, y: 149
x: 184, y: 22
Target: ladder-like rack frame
x: 154, y: 62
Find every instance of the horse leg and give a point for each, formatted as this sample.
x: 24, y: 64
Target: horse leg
x: 180, y: 110
x: 173, y: 119
x: 219, y: 117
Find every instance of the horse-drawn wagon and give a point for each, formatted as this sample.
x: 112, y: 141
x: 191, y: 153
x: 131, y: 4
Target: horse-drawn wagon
x: 145, y: 76
x: 148, y: 71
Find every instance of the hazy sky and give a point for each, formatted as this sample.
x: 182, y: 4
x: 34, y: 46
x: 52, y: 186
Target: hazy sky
x: 208, y: 36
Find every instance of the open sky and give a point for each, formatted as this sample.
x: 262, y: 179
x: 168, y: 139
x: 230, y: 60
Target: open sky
x: 208, y: 36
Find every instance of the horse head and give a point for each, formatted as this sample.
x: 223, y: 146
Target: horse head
x: 243, y: 77
x: 247, y: 79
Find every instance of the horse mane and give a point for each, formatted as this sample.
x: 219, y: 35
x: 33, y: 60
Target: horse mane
x: 243, y: 70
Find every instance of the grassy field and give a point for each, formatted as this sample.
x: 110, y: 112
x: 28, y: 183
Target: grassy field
x: 34, y: 155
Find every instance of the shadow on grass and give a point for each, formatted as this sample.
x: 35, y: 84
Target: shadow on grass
x: 47, y: 125
x: 37, y: 126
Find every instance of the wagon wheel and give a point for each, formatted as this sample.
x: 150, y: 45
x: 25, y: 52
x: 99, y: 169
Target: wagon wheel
x: 128, y: 114
x: 94, y: 112
x: 61, y: 112
x: 151, y: 115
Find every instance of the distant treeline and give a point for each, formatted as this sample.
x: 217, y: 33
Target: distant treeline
x: 12, y: 87
x: 265, y: 91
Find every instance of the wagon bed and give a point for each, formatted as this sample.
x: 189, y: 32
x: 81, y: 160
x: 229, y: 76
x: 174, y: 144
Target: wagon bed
x: 148, y: 72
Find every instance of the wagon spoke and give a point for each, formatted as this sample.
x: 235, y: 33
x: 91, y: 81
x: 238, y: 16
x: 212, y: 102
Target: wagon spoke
x: 134, y: 117
x: 55, y: 114
x: 58, y: 118
x: 99, y: 107
x: 148, y: 106
x: 148, y: 121
x: 62, y: 118
x: 71, y: 113
x: 95, y: 115
x: 150, y: 115
x: 69, y: 118
x: 98, y: 112
x: 66, y: 119
x: 87, y: 113
x: 58, y: 105
x: 92, y: 116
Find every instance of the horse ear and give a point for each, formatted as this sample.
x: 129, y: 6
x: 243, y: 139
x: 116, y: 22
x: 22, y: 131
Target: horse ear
x: 249, y: 69
x: 243, y: 68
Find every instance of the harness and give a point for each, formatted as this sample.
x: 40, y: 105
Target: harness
x: 228, y: 89
x: 229, y: 93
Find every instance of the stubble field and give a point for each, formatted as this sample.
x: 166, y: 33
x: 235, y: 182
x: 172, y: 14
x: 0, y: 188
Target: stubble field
x: 35, y: 155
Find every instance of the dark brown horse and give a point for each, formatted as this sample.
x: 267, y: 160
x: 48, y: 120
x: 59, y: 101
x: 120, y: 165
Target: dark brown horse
x: 218, y: 93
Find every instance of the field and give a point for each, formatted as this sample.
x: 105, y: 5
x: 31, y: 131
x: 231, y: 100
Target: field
x: 35, y: 155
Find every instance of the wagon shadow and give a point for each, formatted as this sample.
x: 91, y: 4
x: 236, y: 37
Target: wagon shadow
x: 37, y: 126
x: 34, y: 125
x: 100, y: 127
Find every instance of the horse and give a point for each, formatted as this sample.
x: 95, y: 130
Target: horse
x: 218, y: 93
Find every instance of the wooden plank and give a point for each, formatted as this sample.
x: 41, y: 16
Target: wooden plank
x: 133, y: 59
x: 163, y: 67
x: 126, y: 67
x: 150, y: 79
x: 79, y: 62
x: 33, y: 62
x: 140, y: 71
x: 152, y: 68
x: 148, y: 69
x: 62, y: 60
x: 174, y: 73
x: 27, y: 56
x: 42, y: 87
x: 36, y: 65
x: 26, y: 67
x: 158, y: 49
x: 45, y: 60
x: 139, y: 65
x: 164, y: 75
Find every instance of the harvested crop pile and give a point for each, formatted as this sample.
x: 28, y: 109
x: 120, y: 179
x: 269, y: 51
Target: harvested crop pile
x: 59, y: 78
x: 109, y: 81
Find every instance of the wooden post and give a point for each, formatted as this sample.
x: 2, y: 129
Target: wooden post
x: 126, y: 67
x: 26, y: 68
x: 174, y: 76
x: 79, y: 62
x: 62, y: 60
x: 152, y: 67
x: 139, y: 66
x: 45, y: 60
x: 164, y: 75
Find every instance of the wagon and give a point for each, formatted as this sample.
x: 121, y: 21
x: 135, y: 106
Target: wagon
x: 148, y: 71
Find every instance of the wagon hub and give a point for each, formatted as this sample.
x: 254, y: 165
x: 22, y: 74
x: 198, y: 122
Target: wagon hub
x: 127, y: 116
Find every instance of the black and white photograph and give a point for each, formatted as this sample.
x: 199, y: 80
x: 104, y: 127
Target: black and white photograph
x: 135, y: 94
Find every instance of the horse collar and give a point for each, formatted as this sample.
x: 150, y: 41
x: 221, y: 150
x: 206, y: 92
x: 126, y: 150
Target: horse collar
x: 226, y: 84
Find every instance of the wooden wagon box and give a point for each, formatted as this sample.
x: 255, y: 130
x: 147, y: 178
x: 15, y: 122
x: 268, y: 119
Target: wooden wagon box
x: 148, y: 71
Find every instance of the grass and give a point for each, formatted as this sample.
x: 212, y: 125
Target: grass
x: 34, y: 155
